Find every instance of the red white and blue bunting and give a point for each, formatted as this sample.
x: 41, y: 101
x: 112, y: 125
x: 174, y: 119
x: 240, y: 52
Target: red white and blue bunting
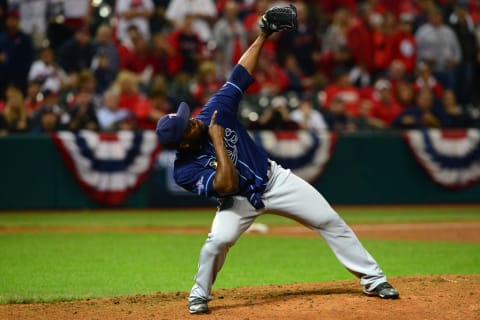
x: 450, y: 158
x: 304, y: 152
x: 108, y: 166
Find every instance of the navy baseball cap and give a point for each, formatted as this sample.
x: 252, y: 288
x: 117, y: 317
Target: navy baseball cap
x: 171, y: 127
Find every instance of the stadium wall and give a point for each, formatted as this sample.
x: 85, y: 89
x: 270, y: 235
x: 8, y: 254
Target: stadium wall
x: 364, y: 169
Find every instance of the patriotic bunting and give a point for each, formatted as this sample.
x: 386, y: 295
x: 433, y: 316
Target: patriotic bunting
x: 451, y: 158
x: 108, y: 166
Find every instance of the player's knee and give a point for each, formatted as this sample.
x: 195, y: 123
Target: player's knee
x: 329, y: 219
x: 220, y: 242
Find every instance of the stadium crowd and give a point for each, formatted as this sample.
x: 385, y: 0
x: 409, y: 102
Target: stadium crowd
x: 110, y: 65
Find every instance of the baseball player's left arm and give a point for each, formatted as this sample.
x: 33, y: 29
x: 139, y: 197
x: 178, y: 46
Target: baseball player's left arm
x: 275, y: 19
x: 226, y: 176
x: 249, y: 59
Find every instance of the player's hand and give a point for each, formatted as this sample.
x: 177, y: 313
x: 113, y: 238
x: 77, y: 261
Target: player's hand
x: 215, y: 131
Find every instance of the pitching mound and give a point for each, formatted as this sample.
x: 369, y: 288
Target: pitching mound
x: 424, y: 297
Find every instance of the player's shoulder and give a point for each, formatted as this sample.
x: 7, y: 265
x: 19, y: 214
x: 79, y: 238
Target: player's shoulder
x: 188, y: 169
x: 188, y: 163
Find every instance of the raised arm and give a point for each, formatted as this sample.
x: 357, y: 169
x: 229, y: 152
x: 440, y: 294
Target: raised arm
x: 249, y: 59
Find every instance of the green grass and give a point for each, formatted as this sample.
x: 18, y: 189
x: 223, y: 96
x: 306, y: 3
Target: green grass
x: 204, y: 217
x: 61, y: 266
x: 54, y: 266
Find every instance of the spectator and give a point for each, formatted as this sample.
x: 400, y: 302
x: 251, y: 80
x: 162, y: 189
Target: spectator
x: 250, y: 22
x: 160, y: 83
x: 360, y: 77
x: 77, y: 14
x: 438, y: 46
x: 307, y: 117
x: 421, y: 115
x: 453, y: 114
x: 404, y: 46
x: 111, y: 117
x: 230, y: 39
x: 141, y: 61
x: 106, y: 60
x: 462, y: 24
x: 33, y: 20
x: 270, y: 77
x: 149, y: 111
x: 422, y: 10
x: 133, y: 13
x: 49, y: 117
x: 47, y: 120
x: 364, y: 121
x: 359, y: 38
x: 304, y: 43
x: 87, y: 82
x: 426, y: 79
x: 404, y: 94
x: 126, y: 45
x: 14, y: 118
x: 65, y: 18
x: 335, y: 37
x: 382, y: 42
x: 57, y: 31
x: 329, y: 7
x: 245, y: 7
x: 398, y: 7
x: 181, y: 89
x: 46, y: 71
x: 275, y: 117
x: 127, y: 86
x: 330, y: 61
x: 385, y: 109
x: 205, y: 82
x: 16, y: 54
x: 337, y: 117
x: 187, y: 46
x: 77, y: 53
x: 33, y: 99
x: 162, y: 53
x: 342, y: 88
x: 158, y: 21
x: 297, y: 81
x: 84, y: 81
x: 397, y: 74
x: 83, y: 115
x: 202, y: 13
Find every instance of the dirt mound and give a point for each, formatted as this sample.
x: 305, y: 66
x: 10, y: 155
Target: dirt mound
x: 449, y: 297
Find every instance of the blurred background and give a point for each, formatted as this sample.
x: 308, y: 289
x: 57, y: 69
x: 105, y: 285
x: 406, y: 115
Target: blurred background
x: 373, y: 102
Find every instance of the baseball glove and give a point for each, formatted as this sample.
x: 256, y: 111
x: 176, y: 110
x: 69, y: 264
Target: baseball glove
x: 279, y: 18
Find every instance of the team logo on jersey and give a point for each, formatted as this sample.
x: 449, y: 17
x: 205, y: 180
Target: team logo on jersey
x: 230, y: 141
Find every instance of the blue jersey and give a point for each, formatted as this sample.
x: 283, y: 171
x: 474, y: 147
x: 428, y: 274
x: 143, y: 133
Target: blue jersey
x: 196, y: 173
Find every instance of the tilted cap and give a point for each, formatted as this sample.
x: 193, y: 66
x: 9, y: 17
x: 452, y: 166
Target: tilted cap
x: 171, y: 127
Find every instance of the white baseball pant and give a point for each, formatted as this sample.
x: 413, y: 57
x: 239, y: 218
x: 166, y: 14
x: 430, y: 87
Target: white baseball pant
x: 290, y: 196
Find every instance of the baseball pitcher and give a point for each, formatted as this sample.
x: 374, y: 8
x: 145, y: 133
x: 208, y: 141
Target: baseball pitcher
x: 217, y: 158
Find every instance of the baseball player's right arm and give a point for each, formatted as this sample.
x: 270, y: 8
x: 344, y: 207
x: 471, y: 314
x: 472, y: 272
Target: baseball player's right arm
x: 226, y: 177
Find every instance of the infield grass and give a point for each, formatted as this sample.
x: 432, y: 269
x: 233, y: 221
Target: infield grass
x: 57, y: 266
